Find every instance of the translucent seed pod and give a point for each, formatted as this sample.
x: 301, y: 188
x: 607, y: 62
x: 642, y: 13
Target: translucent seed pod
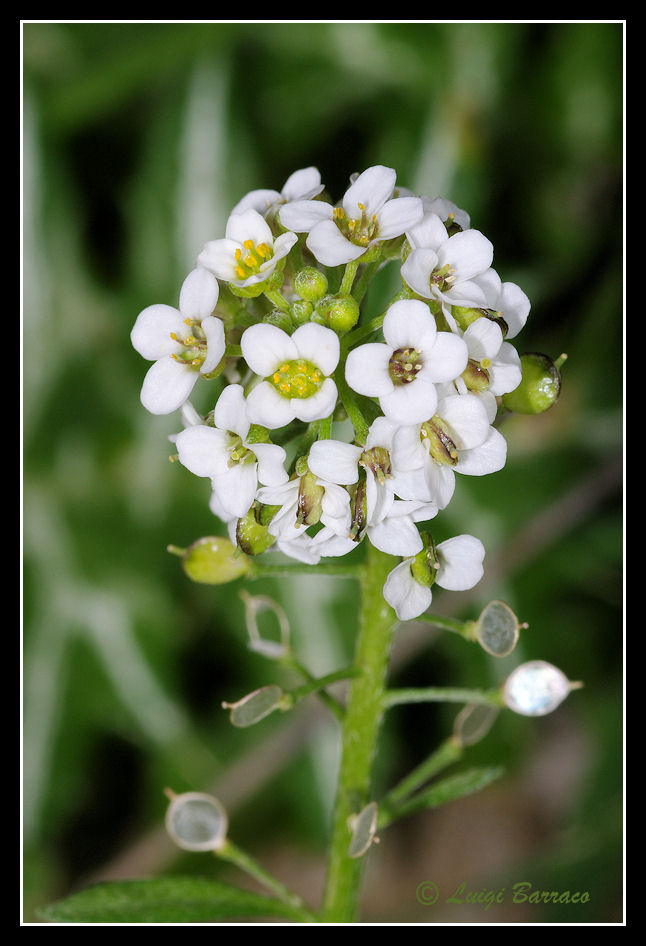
x: 363, y: 827
x: 473, y: 722
x: 213, y: 560
x: 536, y: 688
x: 196, y: 821
x: 497, y: 629
x: 255, y: 706
x: 255, y: 605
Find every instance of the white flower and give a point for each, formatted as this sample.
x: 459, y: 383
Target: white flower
x: 449, y: 213
x: 403, y: 370
x: 301, y: 185
x: 183, y: 343
x: 223, y: 453
x: 498, y: 359
x: 505, y: 298
x: 248, y: 254
x: 368, y: 213
x: 457, y: 566
x: 304, y: 501
x: 458, y: 438
x: 443, y: 267
x: 388, y: 523
x: 296, y: 370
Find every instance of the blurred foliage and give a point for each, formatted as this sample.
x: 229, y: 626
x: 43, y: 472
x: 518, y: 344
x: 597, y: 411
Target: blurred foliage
x: 138, y: 138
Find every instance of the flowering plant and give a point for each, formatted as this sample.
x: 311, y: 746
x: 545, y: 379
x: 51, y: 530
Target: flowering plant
x: 332, y: 446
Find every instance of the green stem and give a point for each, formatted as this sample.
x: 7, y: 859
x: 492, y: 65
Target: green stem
x: 374, y: 324
x: 359, y: 422
x: 363, y: 716
x: 315, y: 684
x: 234, y: 855
x: 441, y: 695
x: 276, y: 298
x: 361, y: 286
x: 465, y: 628
x: 446, y: 754
x: 293, y: 663
x: 348, y: 277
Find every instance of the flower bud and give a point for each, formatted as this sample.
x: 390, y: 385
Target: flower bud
x: 536, y: 688
x: 339, y: 312
x: 196, y: 821
x: 464, y: 316
x: 280, y: 319
x: 213, y: 561
x: 252, y: 535
x: 425, y: 564
x: 310, y: 284
x: 539, y: 387
x: 310, y: 496
x: 301, y: 311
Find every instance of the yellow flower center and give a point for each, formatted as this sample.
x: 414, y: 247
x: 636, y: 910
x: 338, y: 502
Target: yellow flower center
x: 299, y: 378
x: 250, y: 259
x: 362, y: 230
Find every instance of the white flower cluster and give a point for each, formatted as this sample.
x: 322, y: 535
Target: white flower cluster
x: 421, y: 385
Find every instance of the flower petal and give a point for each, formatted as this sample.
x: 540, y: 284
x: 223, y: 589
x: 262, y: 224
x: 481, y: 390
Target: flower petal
x: 460, y: 561
x: 335, y: 461
x: 259, y: 200
x: 416, y: 271
x: 328, y: 244
x: 369, y: 192
x: 505, y: 373
x: 406, y: 596
x: 408, y: 323
x: 318, y: 344
x: 467, y: 419
x: 489, y: 457
x: 215, y: 343
x: 266, y: 347
x: 266, y: 407
x: 317, y: 406
x: 302, y: 185
x: 396, y: 535
x: 446, y: 360
x: 271, y: 463
x: 218, y: 256
x: 410, y: 403
x: 203, y: 450
x: 366, y: 369
x: 168, y: 383
x: 468, y: 252
x: 397, y: 216
x: 151, y: 333
x: 199, y: 294
x: 483, y: 338
x: 430, y: 233
x: 302, y: 215
x: 230, y: 412
x: 236, y: 489
x: 249, y: 225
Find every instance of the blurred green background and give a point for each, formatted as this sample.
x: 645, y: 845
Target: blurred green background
x: 138, y: 138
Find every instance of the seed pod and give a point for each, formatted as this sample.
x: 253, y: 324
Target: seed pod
x: 539, y: 388
x: 196, y: 822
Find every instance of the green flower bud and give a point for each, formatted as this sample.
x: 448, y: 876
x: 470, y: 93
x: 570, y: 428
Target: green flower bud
x: 252, y: 535
x: 464, y: 316
x: 301, y: 311
x: 310, y: 496
x: 213, y: 561
x: 310, y: 284
x: 539, y: 387
x: 339, y: 312
x: 425, y: 564
x: 281, y: 319
x: 475, y: 376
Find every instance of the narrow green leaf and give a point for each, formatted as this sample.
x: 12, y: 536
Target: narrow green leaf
x: 164, y: 900
x: 449, y: 789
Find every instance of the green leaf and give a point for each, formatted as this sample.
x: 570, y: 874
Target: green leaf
x: 449, y: 789
x: 164, y: 900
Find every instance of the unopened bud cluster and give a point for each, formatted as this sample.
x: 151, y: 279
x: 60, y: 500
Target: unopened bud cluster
x: 328, y: 430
